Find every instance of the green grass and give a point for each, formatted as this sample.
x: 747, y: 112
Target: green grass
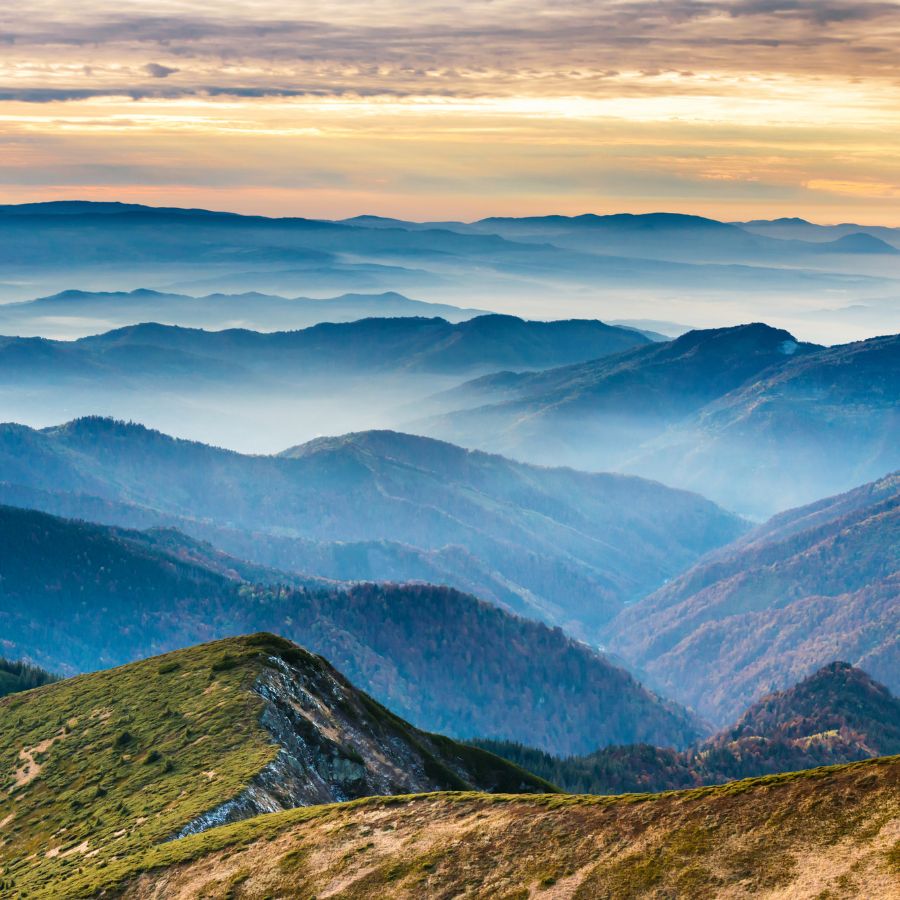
x: 126, y: 769
x: 139, y: 751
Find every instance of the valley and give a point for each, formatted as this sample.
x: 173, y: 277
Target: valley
x: 309, y: 588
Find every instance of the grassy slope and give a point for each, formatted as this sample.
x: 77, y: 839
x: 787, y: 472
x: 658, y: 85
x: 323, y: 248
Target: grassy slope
x: 124, y: 768
x: 104, y: 765
x: 823, y: 833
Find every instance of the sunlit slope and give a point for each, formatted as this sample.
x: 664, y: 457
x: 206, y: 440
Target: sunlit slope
x: 812, y: 585
x: 109, y: 764
x: 827, y: 832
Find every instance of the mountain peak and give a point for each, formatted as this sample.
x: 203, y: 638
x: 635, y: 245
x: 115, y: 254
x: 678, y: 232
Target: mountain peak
x: 861, y: 242
x: 213, y: 734
x: 837, y: 696
x: 383, y: 442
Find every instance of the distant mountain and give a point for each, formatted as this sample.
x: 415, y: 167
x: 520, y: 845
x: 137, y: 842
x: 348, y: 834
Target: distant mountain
x: 860, y: 242
x: 380, y: 345
x: 800, y: 229
x: 783, y: 835
x: 643, y: 390
x: 202, y: 737
x: 73, y: 314
x: 260, y: 392
x: 676, y: 237
x: 551, y: 266
x: 77, y: 597
x: 748, y: 415
x: 816, y: 425
x: 837, y: 715
x: 563, y: 546
x: 814, y: 584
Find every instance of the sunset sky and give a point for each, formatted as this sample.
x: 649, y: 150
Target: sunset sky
x: 750, y: 108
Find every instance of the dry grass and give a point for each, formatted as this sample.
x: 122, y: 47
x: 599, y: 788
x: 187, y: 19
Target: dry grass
x: 828, y: 833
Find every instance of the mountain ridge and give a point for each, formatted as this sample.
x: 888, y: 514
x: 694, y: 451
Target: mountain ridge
x: 560, y: 545
x: 78, y: 596
x: 177, y: 744
x: 688, y: 414
x: 837, y: 715
x: 814, y: 584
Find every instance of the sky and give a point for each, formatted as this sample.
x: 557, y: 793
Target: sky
x: 737, y: 109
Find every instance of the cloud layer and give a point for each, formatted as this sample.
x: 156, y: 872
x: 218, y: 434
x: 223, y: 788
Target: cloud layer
x: 719, y: 102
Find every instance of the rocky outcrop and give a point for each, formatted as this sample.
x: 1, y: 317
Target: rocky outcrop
x: 337, y: 744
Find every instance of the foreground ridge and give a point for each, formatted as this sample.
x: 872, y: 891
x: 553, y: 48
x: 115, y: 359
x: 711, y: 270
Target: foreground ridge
x: 823, y: 832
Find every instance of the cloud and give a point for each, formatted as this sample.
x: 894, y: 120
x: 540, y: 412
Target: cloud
x: 155, y: 70
x: 512, y: 101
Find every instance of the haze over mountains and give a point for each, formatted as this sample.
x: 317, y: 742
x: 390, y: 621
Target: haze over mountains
x: 566, y: 547
x: 261, y: 391
x: 73, y: 314
x: 78, y: 596
x: 747, y: 415
x: 702, y: 271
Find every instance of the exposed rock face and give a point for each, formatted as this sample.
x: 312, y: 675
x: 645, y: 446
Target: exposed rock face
x: 337, y: 744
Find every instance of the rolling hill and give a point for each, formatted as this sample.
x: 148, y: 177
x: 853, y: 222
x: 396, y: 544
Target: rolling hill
x: 177, y: 744
x: 73, y: 314
x: 814, y: 584
x: 559, y: 545
x: 78, y: 597
x: 800, y: 835
x: 757, y: 419
x: 376, y: 345
x: 837, y: 715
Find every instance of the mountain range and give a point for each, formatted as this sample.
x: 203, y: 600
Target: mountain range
x: 748, y: 415
x: 812, y: 585
x: 260, y: 391
x: 707, y: 272
x: 563, y: 546
x: 411, y: 344
x: 78, y: 597
x: 191, y: 774
x: 836, y: 715
x: 73, y: 314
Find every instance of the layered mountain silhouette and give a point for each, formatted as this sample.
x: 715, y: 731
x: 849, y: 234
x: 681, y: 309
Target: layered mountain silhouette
x: 839, y: 714
x: 552, y: 266
x: 563, y: 546
x: 812, y: 584
x: 746, y: 414
x: 674, y: 236
x: 261, y: 391
x: 79, y: 596
x: 73, y: 314
x: 402, y: 344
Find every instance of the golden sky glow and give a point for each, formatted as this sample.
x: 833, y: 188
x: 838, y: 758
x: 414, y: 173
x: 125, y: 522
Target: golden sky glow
x: 432, y: 110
